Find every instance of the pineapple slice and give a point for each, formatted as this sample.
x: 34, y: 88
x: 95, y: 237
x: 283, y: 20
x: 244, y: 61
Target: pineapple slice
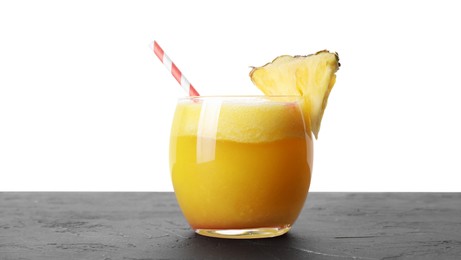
x: 311, y: 76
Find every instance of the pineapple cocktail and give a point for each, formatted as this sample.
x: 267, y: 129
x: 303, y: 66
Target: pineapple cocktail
x: 241, y: 166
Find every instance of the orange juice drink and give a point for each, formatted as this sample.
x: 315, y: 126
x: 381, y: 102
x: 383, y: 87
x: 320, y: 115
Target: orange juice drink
x: 241, y: 166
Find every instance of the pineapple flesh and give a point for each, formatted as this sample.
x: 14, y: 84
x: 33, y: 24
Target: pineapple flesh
x: 311, y: 76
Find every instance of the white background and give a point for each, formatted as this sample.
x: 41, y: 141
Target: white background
x: 86, y: 106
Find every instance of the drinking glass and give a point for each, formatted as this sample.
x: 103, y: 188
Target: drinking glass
x: 241, y: 165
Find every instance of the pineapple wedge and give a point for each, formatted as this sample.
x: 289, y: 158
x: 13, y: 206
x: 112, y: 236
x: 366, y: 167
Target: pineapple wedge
x: 311, y: 76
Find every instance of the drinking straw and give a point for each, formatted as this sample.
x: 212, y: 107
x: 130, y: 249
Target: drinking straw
x: 171, y: 67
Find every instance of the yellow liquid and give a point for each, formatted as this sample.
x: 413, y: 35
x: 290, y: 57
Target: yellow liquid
x: 231, y: 181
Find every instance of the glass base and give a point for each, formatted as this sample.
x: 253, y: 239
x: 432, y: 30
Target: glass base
x: 248, y: 233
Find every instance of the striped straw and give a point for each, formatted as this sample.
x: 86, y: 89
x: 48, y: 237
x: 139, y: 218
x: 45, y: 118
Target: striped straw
x: 171, y: 67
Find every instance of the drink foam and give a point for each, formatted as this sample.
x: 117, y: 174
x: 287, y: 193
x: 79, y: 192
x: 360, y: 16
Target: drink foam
x: 242, y: 120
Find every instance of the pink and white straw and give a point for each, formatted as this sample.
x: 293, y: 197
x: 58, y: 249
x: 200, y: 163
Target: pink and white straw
x: 171, y: 67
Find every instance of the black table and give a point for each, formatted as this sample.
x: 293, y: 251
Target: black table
x: 150, y: 226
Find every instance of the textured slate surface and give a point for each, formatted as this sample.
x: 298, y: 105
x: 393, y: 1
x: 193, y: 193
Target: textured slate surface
x: 137, y: 226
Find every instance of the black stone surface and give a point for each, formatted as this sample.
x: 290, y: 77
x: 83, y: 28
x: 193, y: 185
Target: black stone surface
x: 140, y: 226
